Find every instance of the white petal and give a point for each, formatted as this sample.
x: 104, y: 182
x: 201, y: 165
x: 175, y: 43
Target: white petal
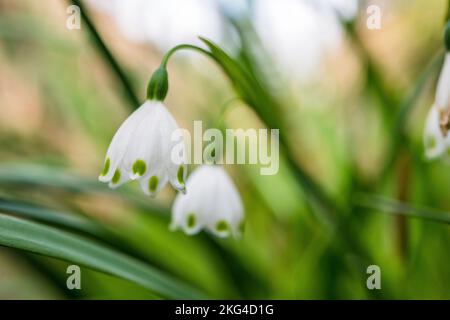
x: 186, y: 214
x: 176, y: 165
x: 145, y: 145
x: 119, y: 178
x: 443, y: 86
x: 228, y: 213
x: 177, y: 176
x: 168, y: 126
x: 153, y: 181
x: 119, y: 143
x: 197, y: 202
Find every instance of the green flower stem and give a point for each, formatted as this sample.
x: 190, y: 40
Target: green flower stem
x: 108, y: 57
x: 158, y: 85
x: 169, y: 53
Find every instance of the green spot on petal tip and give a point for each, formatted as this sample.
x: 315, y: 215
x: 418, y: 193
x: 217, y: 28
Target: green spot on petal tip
x: 106, y: 167
x: 191, y: 220
x: 180, y: 175
x: 116, y: 177
x: 139, y: 167
x: 222, y: 226
x: 153, y: 183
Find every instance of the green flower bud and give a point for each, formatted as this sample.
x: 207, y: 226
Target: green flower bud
x: 158, y: 85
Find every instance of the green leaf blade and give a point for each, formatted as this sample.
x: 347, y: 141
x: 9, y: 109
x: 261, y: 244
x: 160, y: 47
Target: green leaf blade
x: 44, y: 240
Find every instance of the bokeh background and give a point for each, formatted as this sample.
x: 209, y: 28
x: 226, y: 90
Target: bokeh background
x: 352, y: 102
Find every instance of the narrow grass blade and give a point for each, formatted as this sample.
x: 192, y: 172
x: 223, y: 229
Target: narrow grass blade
x: 395, y: 207
x: 50, y: 216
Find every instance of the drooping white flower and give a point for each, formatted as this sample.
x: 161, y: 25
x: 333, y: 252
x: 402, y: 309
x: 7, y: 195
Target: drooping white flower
x: 212, y: 203
x: 141, y: 150
x: 437, y: 124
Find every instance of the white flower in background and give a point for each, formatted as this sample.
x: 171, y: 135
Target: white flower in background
x: 141, y: 150
x: 212, y: 203
x: 297, y: 33
x: 165, y: 23
x: 437, y: 124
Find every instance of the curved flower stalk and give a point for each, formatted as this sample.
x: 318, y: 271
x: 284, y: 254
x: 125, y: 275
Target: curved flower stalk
x: 212, y: 203
x: 142, y: 147
x: 437, y: 124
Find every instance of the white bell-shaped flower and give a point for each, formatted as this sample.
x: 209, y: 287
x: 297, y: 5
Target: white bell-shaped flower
x: 212, y: 203
x: 141, y: 150
x: 437, y: 124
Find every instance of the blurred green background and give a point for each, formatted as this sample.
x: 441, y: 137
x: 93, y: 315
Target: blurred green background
x: 351, y: 105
